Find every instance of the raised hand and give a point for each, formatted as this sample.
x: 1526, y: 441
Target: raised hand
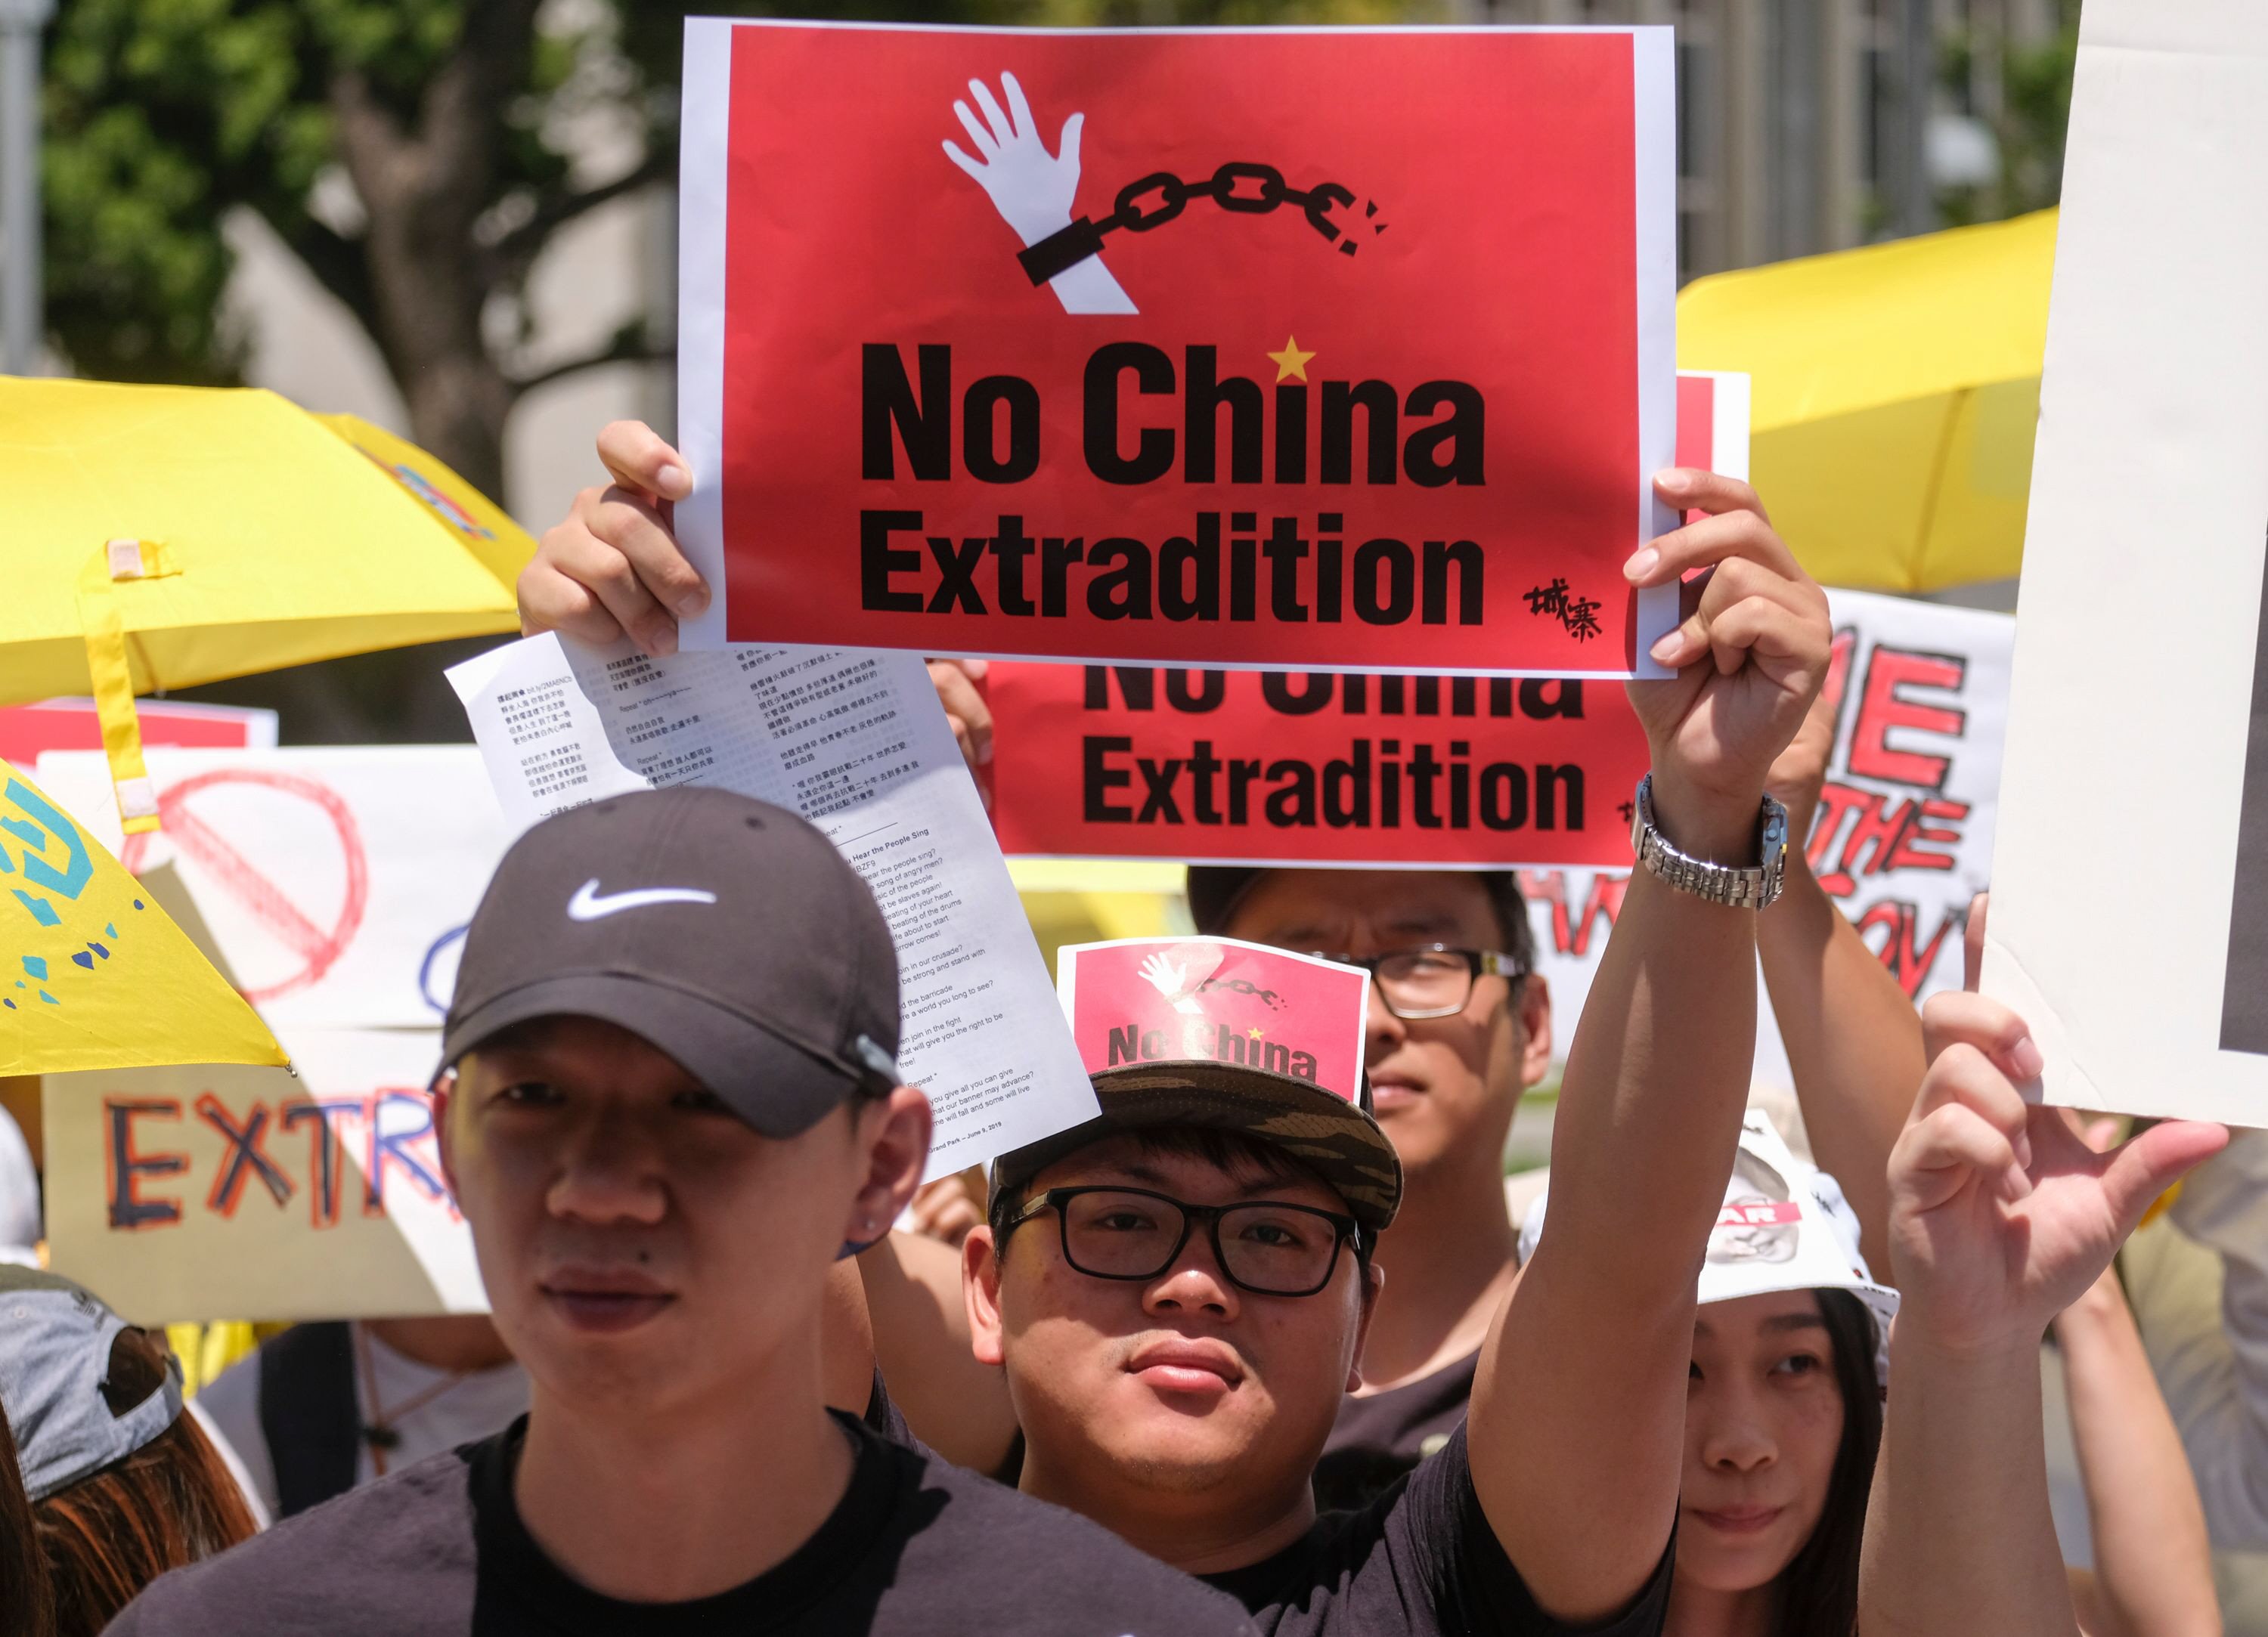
x: 1799, y: 773
x: 1170, y: 979
x: 1032, y: 188
x: 966, y: 712
x: 2000, y: 1213
x: 612, y: 568
x: 1751, y: 655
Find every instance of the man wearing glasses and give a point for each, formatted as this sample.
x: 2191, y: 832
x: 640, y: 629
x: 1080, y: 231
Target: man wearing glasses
x: 1459, y: 1027
x: 1180, y: 1295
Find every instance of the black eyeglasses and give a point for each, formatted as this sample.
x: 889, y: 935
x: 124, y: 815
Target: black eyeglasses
x: 1265, y: 1246
x: 1430, y: 980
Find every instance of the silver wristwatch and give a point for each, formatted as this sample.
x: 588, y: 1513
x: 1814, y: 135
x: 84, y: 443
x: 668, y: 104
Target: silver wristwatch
x: 1754, y: 887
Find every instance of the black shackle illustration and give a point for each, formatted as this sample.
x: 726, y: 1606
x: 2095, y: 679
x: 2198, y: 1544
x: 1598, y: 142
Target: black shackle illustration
x: 1226, y: 187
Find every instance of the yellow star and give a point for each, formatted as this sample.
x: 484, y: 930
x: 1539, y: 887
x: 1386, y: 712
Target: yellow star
x: 1254, y: 1033
x: 1291, y: 363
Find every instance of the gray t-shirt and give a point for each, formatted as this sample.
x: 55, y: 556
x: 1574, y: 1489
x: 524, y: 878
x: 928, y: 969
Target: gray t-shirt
x: 916, y: 1547
x: 1421, y: 1561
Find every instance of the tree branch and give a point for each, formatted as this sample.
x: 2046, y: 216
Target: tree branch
x: 524, y: 241
x: 337, y: 262
x: 630, y: 345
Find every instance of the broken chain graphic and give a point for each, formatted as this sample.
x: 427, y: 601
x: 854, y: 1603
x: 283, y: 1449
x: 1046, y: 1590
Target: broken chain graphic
x: 1068, y: 247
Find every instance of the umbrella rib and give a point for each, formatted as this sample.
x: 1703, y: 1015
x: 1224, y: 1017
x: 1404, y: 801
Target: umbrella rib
x: 1930, y: 492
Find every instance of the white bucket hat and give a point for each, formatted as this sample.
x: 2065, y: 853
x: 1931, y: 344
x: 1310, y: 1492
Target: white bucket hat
x: 1785, y: 1226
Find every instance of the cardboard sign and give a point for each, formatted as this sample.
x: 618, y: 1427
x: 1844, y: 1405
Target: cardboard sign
x: 1155, y: 1000
x: 29, y: 731
x: 1267, y: 767
x: 208, y: 1193
x: 1904, y: 835
x: 1317, y: 349
x: 334, y: 883
x: 2128, y: 911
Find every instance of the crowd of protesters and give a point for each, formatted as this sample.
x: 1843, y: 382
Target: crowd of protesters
x: 1243, y: 1354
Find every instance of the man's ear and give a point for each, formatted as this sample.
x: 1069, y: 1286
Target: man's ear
x: 445, y: 1098
x: 979, y: 1290
x: 1534, y: 1029
x: 1373, y: 1281
x: 893, y: 1134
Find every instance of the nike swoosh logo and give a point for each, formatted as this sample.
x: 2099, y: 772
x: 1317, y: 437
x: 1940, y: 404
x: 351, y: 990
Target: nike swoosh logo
x: 589, y: 905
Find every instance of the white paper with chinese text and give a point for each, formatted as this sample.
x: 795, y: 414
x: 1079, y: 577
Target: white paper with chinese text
x: 854, y: 740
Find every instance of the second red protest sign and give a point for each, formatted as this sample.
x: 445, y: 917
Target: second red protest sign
x: 1316, y: 350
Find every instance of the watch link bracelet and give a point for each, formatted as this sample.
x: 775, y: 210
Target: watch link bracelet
x: 1752, y: 887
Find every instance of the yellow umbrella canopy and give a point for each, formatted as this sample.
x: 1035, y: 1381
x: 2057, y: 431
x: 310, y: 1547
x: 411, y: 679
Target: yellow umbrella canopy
x: 1895, y: 390
x: 94, y: 973
x: 165, y: 536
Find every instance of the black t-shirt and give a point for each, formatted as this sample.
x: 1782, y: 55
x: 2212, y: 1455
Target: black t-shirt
x: 1419, y: 1562
x: 916, y: 1547
x: 1378, y: 1438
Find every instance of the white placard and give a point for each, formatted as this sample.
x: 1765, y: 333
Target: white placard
x: 854, y: 740
x: 334, y: 883
x: 2128, y: 909
x: 228, y: 1192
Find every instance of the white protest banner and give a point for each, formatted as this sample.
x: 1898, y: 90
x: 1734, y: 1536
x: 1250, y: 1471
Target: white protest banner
x: 1297, y: 348
x: 334, y: 882
x: 856, y: 741
x: 1904, y: 835
x: 28, y: 733
x: 2130, y: 913
x: 202, y: 1193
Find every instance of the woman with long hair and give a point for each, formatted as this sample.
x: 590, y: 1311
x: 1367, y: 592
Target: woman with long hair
x: 122, y: 1485
x: 1783, y: 1412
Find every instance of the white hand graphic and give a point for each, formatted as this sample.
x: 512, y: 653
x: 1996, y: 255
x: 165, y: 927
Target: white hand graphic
x: 1032, y: 188
x: 1170, y: 979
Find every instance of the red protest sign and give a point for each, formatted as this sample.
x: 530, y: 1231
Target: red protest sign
x: 1280, y: 767
x: 1313, y: 349
x: 28, y: 731
x: 1161, y: 1000
x: 1272, y: 768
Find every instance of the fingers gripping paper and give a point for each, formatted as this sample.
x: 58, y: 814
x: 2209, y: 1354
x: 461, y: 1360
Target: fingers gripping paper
x: 856, y: 741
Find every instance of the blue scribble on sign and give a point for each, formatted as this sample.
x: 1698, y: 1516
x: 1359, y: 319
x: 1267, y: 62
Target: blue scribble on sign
x: 33, y: 965
x: 426, y: 988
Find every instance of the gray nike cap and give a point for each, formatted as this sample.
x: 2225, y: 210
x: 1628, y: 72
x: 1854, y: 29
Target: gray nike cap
x: 55, y: 1357
x: 724, y: 931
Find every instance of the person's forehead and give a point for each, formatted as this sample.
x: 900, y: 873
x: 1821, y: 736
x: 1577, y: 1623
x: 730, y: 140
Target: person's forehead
x: 1771, y: 1313
x: 1317, y: 908
x: 1190, y: 1177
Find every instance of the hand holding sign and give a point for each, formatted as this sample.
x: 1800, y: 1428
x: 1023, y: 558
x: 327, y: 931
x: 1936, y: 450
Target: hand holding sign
x: 1716, y: 729
x: 612, y: 568
x: 1033, y: 189
x: 2001, y: 1216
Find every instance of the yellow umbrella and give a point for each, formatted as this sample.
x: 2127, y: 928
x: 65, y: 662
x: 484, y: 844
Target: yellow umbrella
x: 165, y: 536
x: 94, y: 973
x: 1895, y: 390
